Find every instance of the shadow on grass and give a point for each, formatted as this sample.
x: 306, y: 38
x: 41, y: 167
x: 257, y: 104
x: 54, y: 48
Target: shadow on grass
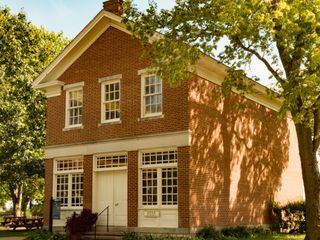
x: 5, y: 232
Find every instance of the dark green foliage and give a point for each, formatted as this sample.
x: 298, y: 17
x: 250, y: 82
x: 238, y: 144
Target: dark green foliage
x: 130, y: 236
x: 238, y: 232
x: 209, y: 232
x: 80, y: 223
x: 25, y: 51
x: 42, y: 234
x: 290, y: 218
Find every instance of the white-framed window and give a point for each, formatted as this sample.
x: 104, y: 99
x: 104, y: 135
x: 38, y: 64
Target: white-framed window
x: 111, y: 161
x: 74, y: 105
x: 159, y: 179
x: 151, y: 94
x: 110, y: 98
x: 68, y: 186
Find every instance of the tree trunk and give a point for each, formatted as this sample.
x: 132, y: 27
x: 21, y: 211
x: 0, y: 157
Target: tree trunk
x: 311, y: 179
x: 16, y: 195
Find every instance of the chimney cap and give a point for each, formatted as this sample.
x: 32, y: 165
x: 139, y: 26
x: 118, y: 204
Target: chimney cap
x: 113, y: 6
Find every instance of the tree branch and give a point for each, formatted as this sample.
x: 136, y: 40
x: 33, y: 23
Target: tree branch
x: 262, y: 59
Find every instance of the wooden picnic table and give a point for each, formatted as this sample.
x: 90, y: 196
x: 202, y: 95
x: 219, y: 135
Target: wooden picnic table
x: 28, y: 223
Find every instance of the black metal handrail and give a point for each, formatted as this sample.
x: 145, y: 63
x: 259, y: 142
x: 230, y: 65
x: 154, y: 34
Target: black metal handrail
x: 95, y: 225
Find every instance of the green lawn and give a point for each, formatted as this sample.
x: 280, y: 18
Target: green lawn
x: 5, y: 232
x: 279, y: 237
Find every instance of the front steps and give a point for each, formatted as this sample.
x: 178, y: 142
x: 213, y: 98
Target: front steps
x: 102, y: 233
x: 102, y: 236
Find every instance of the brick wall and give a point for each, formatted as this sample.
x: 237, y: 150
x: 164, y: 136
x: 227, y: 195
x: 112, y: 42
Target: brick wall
x: 183, y: 186
x: 114, y: 52
x: 133, y: 188
x: 239, y: 153
x: 48, y: 189
x: 87, y: 181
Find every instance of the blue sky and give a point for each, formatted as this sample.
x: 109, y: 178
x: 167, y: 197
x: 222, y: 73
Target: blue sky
x: 69, y: 16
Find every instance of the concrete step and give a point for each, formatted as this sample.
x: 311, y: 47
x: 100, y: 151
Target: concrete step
x: 102, y: 235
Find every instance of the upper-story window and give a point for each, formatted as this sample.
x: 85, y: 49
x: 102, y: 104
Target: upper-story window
x: 151, y: 95
x: 110, y: 98
x: 74, y: 104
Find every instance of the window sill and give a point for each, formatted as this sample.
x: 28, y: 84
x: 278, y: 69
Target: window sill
x: 109, y: 123
x: 69, y: 128
x: 159, y: 208
x: 152, y: 117
x: 79, y: 208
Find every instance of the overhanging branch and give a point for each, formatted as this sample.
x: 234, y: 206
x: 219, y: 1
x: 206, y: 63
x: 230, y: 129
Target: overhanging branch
x: 262, y: 59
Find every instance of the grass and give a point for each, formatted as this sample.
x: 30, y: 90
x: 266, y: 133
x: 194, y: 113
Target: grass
x: 6, y: 232
x: 279, y: 237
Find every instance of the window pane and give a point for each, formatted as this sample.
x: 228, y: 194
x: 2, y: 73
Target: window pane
x: 62, y: 189
x: 149, y: 187
x: 69, y: 164
x: 159, y: 157
x: 112, y: 101
x: 77, y: 190
x: 74, y: 107
x: 112, y: 161
x: 169, y: 186
x: 152, y: 95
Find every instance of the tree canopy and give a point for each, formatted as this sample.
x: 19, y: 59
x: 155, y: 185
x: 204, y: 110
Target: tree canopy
x: 284, y: 35
x: 25, y: 51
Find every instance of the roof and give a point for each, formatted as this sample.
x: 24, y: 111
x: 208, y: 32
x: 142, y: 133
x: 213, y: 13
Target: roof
x: 206, y: 67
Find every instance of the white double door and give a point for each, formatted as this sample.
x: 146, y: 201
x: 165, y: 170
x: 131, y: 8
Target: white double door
x: 111, y: 190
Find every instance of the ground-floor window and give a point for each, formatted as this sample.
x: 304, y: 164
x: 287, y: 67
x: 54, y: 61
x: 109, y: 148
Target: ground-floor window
x: 69, y: 182
x: 159, y: 179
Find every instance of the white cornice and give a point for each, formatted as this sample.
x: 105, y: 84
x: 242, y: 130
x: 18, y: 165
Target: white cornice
x: 51, y: 88
x: 209, y: 69
x: 135, y: 143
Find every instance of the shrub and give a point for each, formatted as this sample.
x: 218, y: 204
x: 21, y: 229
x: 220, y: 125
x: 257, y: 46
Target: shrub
x: 130, y: 236
x: 209, y: 232
x: 237, y: 232
x: 80, y: 223
x: 42, y: 234
x: 290, y: 218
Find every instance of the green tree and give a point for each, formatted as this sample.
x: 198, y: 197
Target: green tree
x: 282, y: 34
x: 25, y: 51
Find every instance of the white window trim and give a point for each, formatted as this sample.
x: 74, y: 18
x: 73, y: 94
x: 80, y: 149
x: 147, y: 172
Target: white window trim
x: 69, y: 88
x: 148, y: 73
x: 95, y: 157
x: 69, y: 172
x: 104, y: 81
x: 159, y: 167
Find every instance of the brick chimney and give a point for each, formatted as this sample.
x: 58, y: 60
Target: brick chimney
x: 114, y: 6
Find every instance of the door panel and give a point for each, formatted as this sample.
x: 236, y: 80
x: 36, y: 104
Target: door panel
x: 111, y: 190
x: 120, y: 198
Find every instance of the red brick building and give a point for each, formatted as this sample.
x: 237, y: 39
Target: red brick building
x: 158, y: 156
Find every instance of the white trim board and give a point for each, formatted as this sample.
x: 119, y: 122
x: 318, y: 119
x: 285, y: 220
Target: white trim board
x: 175, y: 139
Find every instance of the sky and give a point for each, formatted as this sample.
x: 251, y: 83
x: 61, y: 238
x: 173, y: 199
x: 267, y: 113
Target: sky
x: 71, y: 16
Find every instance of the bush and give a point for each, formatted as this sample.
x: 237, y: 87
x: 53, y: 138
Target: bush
x: 42, y: 234
x: 80, y: 223
x: 209, y: 232
x: 290, y: 218
x: 130, y: 236
x: 237, y: 232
